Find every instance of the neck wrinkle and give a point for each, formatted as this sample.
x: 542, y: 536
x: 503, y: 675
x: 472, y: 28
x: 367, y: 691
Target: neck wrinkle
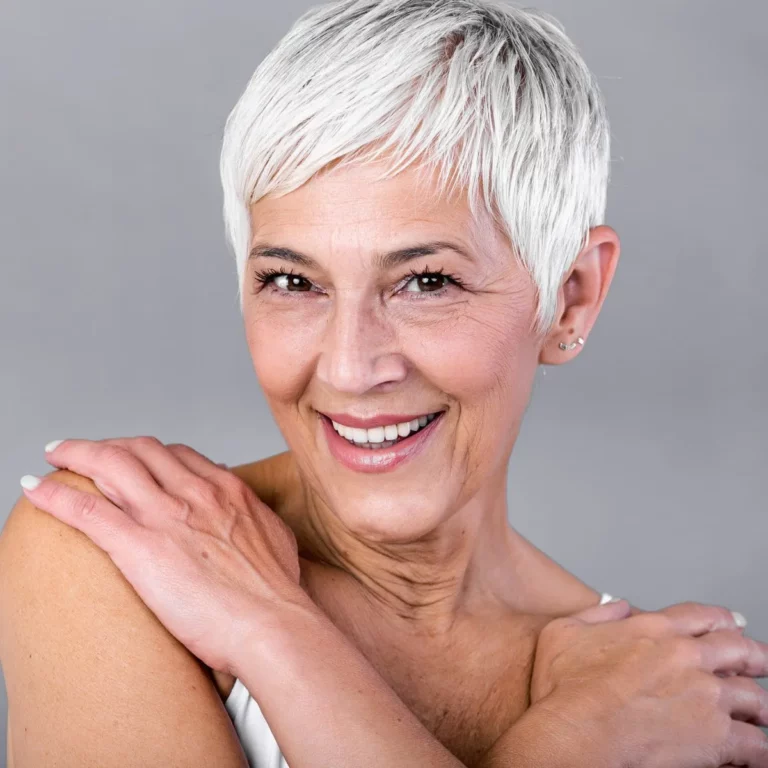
x: 423, y: 586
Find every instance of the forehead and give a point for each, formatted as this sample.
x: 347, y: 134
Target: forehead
x: 349, y: 203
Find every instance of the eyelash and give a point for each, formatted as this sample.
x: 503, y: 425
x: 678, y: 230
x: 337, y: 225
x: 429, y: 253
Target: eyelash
x: 267, y: 276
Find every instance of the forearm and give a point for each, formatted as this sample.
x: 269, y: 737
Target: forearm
x: 327, y: 706
x: 549, y: 735
x: 325, y: 703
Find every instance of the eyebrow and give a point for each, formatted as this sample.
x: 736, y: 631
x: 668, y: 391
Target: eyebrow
x: 383, y: 260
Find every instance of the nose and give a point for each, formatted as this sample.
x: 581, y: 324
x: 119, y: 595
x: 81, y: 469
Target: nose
x: 359, y: 348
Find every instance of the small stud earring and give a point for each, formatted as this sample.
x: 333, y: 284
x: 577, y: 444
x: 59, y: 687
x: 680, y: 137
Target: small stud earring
x: 572, y: 344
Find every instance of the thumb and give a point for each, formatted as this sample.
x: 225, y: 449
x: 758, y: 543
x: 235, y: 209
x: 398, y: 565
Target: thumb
x: 612, y: 611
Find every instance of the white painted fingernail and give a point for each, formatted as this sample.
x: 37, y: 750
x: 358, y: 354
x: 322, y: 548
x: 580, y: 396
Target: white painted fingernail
x: 30, y: 482
x: 739, y: 619
x: 52, y: 445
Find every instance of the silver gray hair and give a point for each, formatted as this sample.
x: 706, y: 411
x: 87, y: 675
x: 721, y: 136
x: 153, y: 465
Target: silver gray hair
x: 496, y: 98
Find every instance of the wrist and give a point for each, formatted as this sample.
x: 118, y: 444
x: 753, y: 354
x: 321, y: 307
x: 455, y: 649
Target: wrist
x: 555, y: 737
x: 270, y: 630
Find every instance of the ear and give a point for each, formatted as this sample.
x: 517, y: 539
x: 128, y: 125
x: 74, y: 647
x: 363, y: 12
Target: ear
x: 581, y: 295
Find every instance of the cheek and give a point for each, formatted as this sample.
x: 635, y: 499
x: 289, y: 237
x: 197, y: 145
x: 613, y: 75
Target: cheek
x: 480, y: 356
x: 283, y: 346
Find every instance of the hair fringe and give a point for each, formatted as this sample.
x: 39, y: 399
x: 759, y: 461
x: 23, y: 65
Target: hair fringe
x: 496, y: 99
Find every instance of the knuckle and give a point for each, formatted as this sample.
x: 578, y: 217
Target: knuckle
x: 237, y: 489
x: 204, y: 492
x: 711, y: 615
x: 653, y: 623
x: 113, y: 455
x: 714, y: 616
x: 146, y: 441
x: 86, y: 506
x: 178, y: 447
x: 180, y: 508
x: 721, y: 616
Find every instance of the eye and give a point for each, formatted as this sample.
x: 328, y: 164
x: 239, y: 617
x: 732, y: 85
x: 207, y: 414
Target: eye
x: 426, y: 283
x: 290, y: 282
x: 430, y: 281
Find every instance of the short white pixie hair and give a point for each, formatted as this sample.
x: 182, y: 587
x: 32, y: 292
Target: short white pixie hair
x: 496, y: 98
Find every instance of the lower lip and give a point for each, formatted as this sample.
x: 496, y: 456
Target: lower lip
x: 376, y: 459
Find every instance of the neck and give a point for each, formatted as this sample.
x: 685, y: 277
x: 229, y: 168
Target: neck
x: 475, y: 563
x: 465, y: 565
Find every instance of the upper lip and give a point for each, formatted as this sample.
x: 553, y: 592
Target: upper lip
x: 380, y: 420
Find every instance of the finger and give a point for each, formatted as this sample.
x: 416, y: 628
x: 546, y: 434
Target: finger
x: 207, y: 471
x: 746, y: 700
x: 699, y: 618
x: 597, y: 614
x: 746, y: 745
x: 120, y: 475
x: 170, y: 474
x: 199, y: 464
x: 724, y: 650
x: 100, y: 520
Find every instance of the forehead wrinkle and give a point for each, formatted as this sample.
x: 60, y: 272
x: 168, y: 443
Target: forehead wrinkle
x: 476, y: 239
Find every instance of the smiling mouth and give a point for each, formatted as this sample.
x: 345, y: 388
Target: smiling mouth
x: 377, y: 438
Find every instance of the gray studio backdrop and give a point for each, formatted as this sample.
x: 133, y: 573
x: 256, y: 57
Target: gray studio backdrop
x: 640, y: 466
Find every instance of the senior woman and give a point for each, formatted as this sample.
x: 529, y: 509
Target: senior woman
x: 414, y: 191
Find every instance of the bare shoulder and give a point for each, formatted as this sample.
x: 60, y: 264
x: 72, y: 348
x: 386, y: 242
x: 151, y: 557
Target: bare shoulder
x: 82, y: 654
x: 270, y: 478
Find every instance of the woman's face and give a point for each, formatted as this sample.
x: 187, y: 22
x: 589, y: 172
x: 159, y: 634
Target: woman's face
x: 341, y: 328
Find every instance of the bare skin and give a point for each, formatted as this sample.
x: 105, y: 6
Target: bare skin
x: 419, y: 566
x: 491, y: 654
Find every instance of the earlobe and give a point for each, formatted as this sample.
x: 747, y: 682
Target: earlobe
x: 572, y: 345
x: 581, y: 296
x: 556, y: 352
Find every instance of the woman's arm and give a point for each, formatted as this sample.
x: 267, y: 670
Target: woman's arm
x: 325, y: 702
x: 93, y: 678
x: 327, y: 705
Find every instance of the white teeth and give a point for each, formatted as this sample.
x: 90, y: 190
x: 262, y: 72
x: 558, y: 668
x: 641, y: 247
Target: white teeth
x: 377, y: 434
x: 384, y: 436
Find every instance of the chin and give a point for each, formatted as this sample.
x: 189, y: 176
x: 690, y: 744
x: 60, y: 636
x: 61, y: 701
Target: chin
x: 392, y: 519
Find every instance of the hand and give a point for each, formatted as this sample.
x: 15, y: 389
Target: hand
x: 195, y: 542
x: 667, y: 689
